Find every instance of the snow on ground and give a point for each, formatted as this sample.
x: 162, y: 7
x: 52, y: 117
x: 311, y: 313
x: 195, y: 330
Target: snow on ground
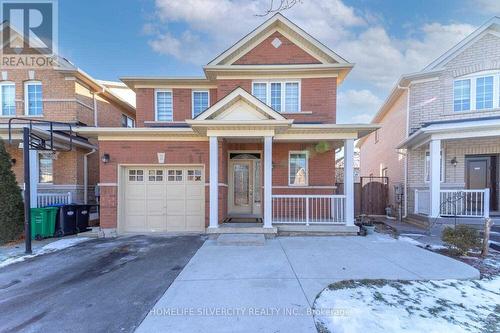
x: 410, y: 306
x: 51, y: 247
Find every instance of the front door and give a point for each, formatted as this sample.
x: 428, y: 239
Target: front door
x: 479, y: 175
x: 241, y: 187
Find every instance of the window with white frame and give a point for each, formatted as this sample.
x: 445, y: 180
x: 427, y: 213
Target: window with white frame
x: 7, y: 98
x: 298, y: 172
x: 201, y: 102
x: 479, y: 91
x: 127, y: 121
x: 45, y: 168
x: 136, y: 175
x: 163, y: 105
x: 33, y: 98
x: 282, y: 96
x: 427, y: 166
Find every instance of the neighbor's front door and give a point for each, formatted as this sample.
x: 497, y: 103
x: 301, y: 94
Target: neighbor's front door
x: 241, y: 187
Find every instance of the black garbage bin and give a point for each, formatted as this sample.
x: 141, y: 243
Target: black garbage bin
x: 82, y: 217
x: 66, y: 221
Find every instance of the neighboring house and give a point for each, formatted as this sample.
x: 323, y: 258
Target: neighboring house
x: 65, y: 94
x: 252, y: 139
x: 440, y: 133
x: 339, y: 168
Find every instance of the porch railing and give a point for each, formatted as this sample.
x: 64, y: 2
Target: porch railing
x: 308, y: 209
x: 45, y: 199
x: 461, y: 203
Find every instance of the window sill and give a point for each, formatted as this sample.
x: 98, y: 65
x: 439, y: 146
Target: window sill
x: 472, y: 112
x: 299, y: 112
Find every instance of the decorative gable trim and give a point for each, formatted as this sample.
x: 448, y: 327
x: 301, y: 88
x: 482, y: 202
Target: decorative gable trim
x: 289, y: 30
x: 233, y: 97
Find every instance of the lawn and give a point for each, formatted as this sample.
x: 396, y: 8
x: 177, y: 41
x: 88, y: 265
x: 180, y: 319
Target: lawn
x: 411, y: 306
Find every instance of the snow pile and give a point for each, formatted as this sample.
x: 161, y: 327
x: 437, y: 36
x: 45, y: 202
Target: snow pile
x: 51, y: 247
x: 410, y: 306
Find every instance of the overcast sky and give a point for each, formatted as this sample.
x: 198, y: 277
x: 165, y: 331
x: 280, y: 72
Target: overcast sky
x: 384, y: 38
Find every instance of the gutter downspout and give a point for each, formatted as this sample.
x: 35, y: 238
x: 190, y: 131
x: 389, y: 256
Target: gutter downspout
x: 406, y: 155
x: 94, y: 97
x: 86, y: 175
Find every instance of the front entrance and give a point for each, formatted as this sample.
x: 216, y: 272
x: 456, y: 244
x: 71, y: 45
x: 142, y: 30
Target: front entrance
x: 480, y: 173
x: 244, y: 197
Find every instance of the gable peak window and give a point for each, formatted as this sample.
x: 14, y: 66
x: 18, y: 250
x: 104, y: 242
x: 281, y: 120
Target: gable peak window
x: 7, y: 99
x: 281, y: 95
x: 164, y: 105
x: 33, y: 102
x: 201, y: 101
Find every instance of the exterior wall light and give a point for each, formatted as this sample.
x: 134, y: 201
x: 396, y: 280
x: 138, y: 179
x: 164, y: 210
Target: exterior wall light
x: 454, y: 162
x: 105, y: 158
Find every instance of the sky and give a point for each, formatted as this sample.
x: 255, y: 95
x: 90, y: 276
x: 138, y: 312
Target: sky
x: 110, y: 39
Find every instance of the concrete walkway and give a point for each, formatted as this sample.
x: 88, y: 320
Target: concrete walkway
x: 270, y: 288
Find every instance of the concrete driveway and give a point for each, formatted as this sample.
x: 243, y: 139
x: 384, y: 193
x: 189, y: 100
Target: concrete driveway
x: 102, y: 285
x: 271, y: 288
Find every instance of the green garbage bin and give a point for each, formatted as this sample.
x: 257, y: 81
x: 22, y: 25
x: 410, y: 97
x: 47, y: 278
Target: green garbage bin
x: 43, y: 221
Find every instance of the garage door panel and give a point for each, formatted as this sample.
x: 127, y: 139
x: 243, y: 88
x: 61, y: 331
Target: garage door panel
x: 160, y: 199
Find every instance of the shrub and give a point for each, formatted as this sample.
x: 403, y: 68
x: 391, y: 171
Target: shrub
x: 461, y: 239
x: 12, y: 207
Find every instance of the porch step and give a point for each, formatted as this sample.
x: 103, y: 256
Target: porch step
x: 241, y: 239
x: 242, y: 228
x: 418, y: 221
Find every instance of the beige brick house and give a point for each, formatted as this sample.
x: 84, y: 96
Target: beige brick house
x: 440, y: 134
x: 62, y: 93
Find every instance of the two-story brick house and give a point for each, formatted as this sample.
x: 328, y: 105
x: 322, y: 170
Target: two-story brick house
x: 440, y: 132
x: 252, y: 140
x: 66, y: 94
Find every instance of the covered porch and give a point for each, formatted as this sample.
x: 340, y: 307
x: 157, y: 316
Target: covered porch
x: 453, y: 170
x: 265, y: 169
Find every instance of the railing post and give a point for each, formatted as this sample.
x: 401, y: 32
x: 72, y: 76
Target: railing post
x: 486, y: 204
x: 416, y: 202
x: 70, y: 198
x: 307, y: 211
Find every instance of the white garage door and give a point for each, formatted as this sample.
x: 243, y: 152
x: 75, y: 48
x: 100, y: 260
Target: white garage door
x: 163, y: 199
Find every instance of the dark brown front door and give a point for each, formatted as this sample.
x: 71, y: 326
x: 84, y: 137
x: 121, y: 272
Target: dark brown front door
x: 479, y: 174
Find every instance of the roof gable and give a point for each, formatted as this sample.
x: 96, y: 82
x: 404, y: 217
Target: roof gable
x: 293, y: 34
x: 490, y: 27
x: 239, y: 105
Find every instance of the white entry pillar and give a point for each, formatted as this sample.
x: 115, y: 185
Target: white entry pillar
x: 268, y: 181
x: 214, y: 183
x: 349, y: 181
x: 435, y: 177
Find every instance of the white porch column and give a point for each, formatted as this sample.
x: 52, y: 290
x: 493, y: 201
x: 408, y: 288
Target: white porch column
x: 214, y: 183
x: 268, y: 181
x: 349, y: 181
x: 435, y: 177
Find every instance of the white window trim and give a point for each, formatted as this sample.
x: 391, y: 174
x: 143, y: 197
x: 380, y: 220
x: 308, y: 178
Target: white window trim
x: 307, y: 166
x: 473, y: 85
x: 156, y: 104
x: 192, y: 100
x: 443, y: 165
x: 26, y: 103
x: 7, y: 83
x: 283, y: 100
x: 39, y: 171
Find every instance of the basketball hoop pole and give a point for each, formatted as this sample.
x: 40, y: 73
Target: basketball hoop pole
x: 27, y: 190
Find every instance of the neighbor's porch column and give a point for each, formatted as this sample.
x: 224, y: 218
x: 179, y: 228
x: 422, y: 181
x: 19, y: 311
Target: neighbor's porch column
x: 349, y: 181
x: 268, y: 181
x: 435, y: 177
x: 214, y: 183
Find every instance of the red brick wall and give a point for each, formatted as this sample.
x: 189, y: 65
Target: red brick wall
x: 224, y: 87
x: 145, y: 105
x: 319, y: 96
x: 266, y: 54
x: 321, y: 168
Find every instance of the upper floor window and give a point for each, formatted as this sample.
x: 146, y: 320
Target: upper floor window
x: 33, y: 98
x: 127, y: 121
x: 163, y: 105
x: 282, y: 96
x: 461, y: 95
x: 7, y: 99
x: 484, y: 92
x: 477, y: 92
x: 200, y: 101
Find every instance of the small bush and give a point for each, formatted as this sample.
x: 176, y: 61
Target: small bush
x: 12, y: 207
x: 461, y: 239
